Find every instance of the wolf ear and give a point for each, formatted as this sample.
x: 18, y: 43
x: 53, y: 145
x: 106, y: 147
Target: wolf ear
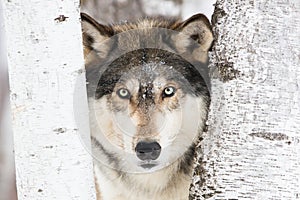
x: 93, y: 35
x: 196, y: 28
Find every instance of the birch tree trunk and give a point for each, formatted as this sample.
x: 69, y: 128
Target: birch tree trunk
x: 46, y: 68
x: 252, y: 147
x: 7, y: 168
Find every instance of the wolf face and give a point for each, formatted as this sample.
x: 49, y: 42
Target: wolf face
x: 150, y: 113
x: 148, y: 97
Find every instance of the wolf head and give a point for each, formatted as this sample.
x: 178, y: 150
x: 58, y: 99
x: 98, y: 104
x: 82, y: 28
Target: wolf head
x: 148, y: 90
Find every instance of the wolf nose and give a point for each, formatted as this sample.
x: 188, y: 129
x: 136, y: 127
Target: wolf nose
x: 147, y: 150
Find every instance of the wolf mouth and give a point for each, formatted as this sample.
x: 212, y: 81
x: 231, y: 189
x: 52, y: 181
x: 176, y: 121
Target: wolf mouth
x: 148, y: 165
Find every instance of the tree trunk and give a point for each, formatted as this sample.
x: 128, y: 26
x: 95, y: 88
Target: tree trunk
x: 46, y: 65
x: 252, y: 147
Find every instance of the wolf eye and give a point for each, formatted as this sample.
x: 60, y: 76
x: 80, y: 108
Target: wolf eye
x: 123, y: 93
x: 169, y: 91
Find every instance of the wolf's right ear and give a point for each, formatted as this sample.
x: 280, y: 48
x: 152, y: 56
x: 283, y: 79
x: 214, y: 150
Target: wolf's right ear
x: 93, y: 36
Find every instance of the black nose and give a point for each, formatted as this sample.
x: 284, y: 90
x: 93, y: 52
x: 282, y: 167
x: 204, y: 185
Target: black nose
x: 147, y: 150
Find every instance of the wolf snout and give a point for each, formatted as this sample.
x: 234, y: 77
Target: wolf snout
x: 147, y: 150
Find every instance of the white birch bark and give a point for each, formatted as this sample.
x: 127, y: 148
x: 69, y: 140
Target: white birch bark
x: 7, y: 167
x: 45, y: 63
x: 252, y: 147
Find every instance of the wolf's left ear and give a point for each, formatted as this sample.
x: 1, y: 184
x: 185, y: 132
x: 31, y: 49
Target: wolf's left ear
x: 94, y: 34
x: 195, y: 29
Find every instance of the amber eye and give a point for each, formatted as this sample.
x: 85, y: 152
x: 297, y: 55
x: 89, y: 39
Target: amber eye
x: 169, y: 91
x: 123, y: 93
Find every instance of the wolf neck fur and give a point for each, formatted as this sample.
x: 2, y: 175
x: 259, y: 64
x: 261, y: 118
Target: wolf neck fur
x: 163, y: 184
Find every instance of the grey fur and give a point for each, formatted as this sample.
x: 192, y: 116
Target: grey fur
x: 146, y: 51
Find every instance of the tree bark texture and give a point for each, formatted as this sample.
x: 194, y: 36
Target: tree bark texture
x: 252, y: 147
x: 45, y: 60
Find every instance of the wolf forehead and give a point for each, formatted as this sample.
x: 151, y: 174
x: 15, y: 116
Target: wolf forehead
x: 146, y: 66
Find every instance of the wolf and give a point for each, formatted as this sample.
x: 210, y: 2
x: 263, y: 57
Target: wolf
x: 148, y: 94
